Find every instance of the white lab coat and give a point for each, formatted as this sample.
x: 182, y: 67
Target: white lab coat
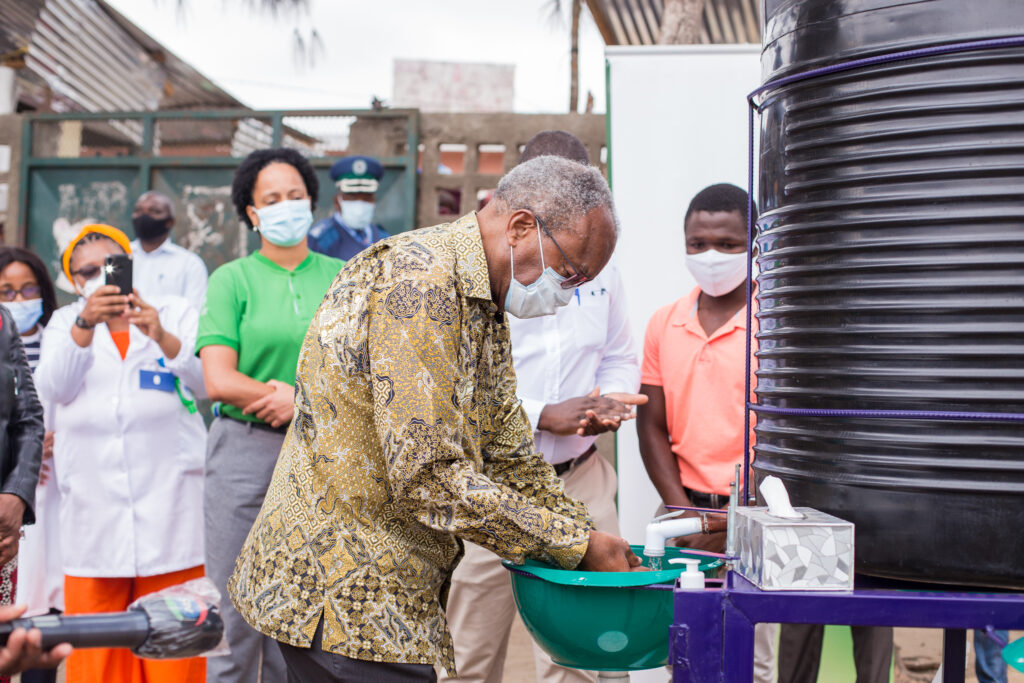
x: 128, y: 461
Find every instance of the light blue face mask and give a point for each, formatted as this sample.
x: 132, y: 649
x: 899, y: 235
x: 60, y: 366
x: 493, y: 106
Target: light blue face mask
x: 25, y: 313
x: 543, y: 296
x: 287, y: 223
x: 356, y: 213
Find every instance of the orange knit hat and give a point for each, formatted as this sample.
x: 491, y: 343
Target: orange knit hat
x: 105, y: 230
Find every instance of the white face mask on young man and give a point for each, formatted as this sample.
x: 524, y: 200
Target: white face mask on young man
x: 717, y: 273
x: 543, y: 296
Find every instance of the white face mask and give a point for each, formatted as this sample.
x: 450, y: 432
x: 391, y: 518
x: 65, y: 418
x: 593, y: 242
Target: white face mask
x: 25, y: 313
x: 543, y: 296
x: 357, y: 214
x: 92, y: 285
x: 286, y: 223
x: 717, y: 273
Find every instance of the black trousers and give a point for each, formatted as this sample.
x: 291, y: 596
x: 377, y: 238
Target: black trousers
x: 800, y: 652
x: 313, y: 665
x: 39, y: 676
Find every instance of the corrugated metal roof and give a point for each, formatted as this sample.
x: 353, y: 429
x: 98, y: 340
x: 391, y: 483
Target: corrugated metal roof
x: 638, y: 22
x: 184, y: 87
x: 85, y: 56
x: 17, y: 18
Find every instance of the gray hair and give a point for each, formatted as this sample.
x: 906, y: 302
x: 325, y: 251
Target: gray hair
x: 557, y: 190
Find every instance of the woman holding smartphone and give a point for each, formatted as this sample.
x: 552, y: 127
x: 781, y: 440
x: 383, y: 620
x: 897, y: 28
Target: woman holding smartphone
x: 128, y: 450
x: 256, y: 314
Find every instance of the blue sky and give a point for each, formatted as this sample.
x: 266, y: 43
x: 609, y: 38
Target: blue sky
x: 250, y: 53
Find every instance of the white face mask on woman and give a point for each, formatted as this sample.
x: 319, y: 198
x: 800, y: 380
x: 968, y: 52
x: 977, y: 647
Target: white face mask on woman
x: 543, y: 296
x: 286, y: 223
x: 717, y: 273
x: 25, y: 313
x: 92, y: 285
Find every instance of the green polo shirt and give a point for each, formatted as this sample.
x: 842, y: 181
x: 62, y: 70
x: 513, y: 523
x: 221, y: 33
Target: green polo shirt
x: 262, y: 311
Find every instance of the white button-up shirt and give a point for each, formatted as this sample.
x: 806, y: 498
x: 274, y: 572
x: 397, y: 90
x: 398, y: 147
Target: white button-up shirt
x: 128, y: 461
x: 169, y: 270
x: 585, y: 344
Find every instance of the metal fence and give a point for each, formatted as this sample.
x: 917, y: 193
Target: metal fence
x: 79, y: 168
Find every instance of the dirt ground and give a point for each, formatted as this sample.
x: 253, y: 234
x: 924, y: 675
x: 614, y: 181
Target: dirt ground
x: 918, y: 651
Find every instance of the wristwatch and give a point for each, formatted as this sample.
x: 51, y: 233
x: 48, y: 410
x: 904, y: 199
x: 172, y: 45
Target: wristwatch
x: 81, y: 322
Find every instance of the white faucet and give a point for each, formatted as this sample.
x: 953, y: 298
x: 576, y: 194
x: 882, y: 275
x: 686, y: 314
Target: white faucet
x: 665, y: 527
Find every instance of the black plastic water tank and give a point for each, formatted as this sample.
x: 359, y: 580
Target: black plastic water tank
x: 892, y: 278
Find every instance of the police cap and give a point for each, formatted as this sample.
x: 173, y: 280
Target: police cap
x: 357, y: 174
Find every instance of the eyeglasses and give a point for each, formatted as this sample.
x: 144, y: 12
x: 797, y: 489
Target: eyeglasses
x: 88, y: 272
x: 27, y: 292
x: 578, y: 277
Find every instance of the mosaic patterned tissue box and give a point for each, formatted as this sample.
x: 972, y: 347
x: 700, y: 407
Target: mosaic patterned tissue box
x: 810, y: 554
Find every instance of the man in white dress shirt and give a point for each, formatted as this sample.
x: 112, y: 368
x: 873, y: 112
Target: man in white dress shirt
x: 159, y: 266
x: 577, y: 371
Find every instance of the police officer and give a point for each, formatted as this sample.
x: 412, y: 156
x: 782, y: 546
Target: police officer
x: 351, y: 229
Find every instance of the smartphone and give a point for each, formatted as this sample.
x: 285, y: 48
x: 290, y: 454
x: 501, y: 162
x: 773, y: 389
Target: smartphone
x: 118, y: 269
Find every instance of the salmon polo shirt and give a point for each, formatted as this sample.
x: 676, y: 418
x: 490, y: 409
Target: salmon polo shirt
x: 702, y: 378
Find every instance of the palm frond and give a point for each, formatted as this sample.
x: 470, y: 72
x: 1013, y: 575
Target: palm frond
x: 555, y: 16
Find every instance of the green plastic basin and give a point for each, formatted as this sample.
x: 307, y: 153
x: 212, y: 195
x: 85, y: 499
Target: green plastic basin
x: 602, y: 621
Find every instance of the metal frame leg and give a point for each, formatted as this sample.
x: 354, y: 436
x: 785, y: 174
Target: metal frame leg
x: 738, y: 663
x: 695, y: 640
x: 954, y: 655
x: 712, y: 637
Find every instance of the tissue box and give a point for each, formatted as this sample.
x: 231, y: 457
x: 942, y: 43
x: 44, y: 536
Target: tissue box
x: 810, y: 554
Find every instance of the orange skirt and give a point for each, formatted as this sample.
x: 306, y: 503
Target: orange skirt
x: 100, y: 665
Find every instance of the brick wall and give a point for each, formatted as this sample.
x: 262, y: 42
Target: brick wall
x: 477, y: 140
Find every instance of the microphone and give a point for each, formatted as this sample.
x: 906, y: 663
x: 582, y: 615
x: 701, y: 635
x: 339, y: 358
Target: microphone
x: 155, y: 627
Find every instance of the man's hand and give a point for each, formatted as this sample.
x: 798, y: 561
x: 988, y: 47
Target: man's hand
x: 714, y: 541
x: 275, y: 408
x: 44, y: 466
x: 621, y: 404
x: 104, y: 304
x: 590, y: 414
x: 24, y: 648
x: 12, y: 512
x: 608, y: 553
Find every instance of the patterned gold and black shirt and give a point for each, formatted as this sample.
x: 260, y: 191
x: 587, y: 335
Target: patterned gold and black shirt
x: 407, y: 437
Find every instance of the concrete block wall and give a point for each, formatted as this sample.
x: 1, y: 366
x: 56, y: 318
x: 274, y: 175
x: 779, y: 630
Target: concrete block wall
x: 474, y: 130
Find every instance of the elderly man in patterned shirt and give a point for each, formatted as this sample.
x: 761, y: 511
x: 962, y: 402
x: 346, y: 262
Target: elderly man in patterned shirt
x: 408, y: 437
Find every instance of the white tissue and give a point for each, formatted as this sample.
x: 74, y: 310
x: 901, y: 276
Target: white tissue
x: 775, y: 494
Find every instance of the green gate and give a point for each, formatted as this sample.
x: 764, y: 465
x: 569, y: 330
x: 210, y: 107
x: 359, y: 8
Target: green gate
x: 79, y: 168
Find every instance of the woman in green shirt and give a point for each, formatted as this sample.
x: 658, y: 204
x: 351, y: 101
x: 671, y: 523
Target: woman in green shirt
x: 251, y: 328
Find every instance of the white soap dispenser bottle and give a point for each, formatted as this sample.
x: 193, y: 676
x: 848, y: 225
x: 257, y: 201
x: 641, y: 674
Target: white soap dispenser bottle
x: 693, y: 578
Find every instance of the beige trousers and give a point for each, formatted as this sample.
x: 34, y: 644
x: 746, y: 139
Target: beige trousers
x: 764, y: 652
x: 481, y: 608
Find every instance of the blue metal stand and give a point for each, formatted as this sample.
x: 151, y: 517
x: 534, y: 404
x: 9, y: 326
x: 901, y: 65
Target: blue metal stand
x: 712, y: 638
